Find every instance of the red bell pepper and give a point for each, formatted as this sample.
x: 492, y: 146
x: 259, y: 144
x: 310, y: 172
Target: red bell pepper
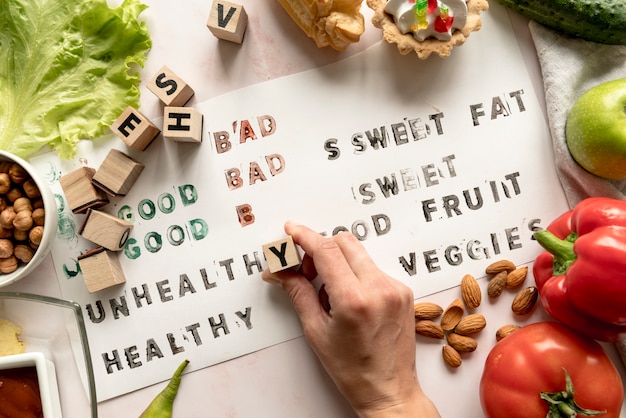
x: 582, y: 276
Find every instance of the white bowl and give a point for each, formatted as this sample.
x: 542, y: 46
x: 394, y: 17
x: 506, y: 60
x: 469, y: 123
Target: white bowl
x: 50, y: 222
x: 46, y: 376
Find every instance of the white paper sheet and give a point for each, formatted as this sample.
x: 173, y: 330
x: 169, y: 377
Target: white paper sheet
x: 463, y: 175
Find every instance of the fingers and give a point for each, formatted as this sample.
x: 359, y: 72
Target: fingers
x: 327, y: 255
x: 302, y: 294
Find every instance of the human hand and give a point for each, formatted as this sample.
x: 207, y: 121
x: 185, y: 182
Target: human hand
x: 366, y: 340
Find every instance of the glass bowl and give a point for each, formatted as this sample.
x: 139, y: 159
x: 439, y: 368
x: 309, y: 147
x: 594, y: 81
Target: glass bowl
x: 50, y: 222
x: 56, y: 328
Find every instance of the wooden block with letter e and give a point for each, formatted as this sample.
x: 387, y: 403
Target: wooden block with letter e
x: 105, y: 230
x: 182, y: 124
x: 101, y: 269
x: 228, y: 21
x: 281, y: 254
x: 170, y: 88
x: 136, y: 130
x: 117, y: 173
x: 80, y: 191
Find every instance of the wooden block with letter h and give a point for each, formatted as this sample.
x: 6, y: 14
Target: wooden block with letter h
x: 117, y: 173
x: 105, y: 230
x: 135, y: 129
x: 182, y: 124
x: 80, y: 192
x: 101, y: 269
x: 228, y: 21
x: 170, y: 88
x: 281, y: 254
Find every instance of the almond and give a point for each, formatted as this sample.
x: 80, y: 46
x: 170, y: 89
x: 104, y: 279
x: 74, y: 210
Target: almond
x: 470, y: 291
x: 498, y: 266
x: 462, y: 343
x: 497, y: 284
x: 427, y: 310
x: 451, y: 356
x: 452, y: 315
x: 428, y: 328
x: 471, y: 324
x: 505, y: 330
x: 525, y: 300
x: 515, y: 278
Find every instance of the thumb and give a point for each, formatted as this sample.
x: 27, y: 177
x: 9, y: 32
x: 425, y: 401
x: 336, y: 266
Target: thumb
x: 303, y: 295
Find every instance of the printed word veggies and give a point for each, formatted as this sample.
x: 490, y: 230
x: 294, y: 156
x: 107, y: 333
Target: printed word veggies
x: 582, y: 276
x: 163, y: 404
x: 595, y: 131
x: 527, y: 366
x: 64, y: 70
x: 600, y: 21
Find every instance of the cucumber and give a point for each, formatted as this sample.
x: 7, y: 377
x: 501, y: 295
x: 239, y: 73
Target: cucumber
x: 602, y: 21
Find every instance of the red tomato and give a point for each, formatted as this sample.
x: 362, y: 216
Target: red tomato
x: 531, y: 360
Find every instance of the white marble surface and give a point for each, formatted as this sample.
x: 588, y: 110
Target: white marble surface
x: 285, y: 380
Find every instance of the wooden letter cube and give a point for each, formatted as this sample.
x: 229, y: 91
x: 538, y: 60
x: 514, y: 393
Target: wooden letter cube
x: 117, y: 173
x: 227, y: 21
x: 281, y: 254
x: 101, y: 269
x: 136, y: 130
x: 80, y: 192
x: 170, y: 88
x: 182, y: 124
x: 105, y: 230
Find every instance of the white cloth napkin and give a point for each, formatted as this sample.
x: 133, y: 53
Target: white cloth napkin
x: 569, y: 68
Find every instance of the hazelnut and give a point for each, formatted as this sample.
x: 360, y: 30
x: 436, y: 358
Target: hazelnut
x: 5, y: 166
x: 37, y: 203
x: 5, y: 183
x: 3, y: 203
x: 31, y: 189
x: 23, y: 253
x: 8, y: 265
x: 14, y: 194
x: 21, y: 204
x: 6, y: 248
x: 39, y: 216
x: 23, y: 220
x: 35, y: 235
x: 6, y: 233
x: 20, y: 235
x: 17, y: 173
x: 6, y: 217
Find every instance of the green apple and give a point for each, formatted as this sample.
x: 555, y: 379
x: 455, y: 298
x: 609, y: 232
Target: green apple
x: 595, y: 131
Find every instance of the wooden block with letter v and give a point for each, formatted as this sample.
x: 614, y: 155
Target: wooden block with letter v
x: 182, y: 124
x: 281, y: 254
x: 101, y: 269
x: 170, y: 88
x: 135, y: 129
x: 80, y: 192
x: 105, y: 230
x: 117, y: 173
x: 228, y: 21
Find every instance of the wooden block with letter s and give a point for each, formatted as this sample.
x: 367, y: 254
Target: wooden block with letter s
x: 281, y: 254
x: 105, y: 230
x: 228, y: 21
x: 170, y: 88
x: 135, y: 129
x: 80, y: 192
x: 117, y: 173
x: 101, y: 269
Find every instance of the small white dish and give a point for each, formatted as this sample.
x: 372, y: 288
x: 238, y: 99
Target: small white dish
x: 50, y: 222
x: 46, y: 376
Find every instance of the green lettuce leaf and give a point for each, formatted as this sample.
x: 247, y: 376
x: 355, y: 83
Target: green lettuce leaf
x: 68, y: 69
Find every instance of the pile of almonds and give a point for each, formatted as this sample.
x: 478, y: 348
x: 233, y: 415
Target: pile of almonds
x: 457, y: 328
x: 21, y: 217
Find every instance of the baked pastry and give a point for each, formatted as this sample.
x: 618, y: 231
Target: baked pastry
x: 334, y: 23
x: 427, y: 26
x: 9, y: 338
